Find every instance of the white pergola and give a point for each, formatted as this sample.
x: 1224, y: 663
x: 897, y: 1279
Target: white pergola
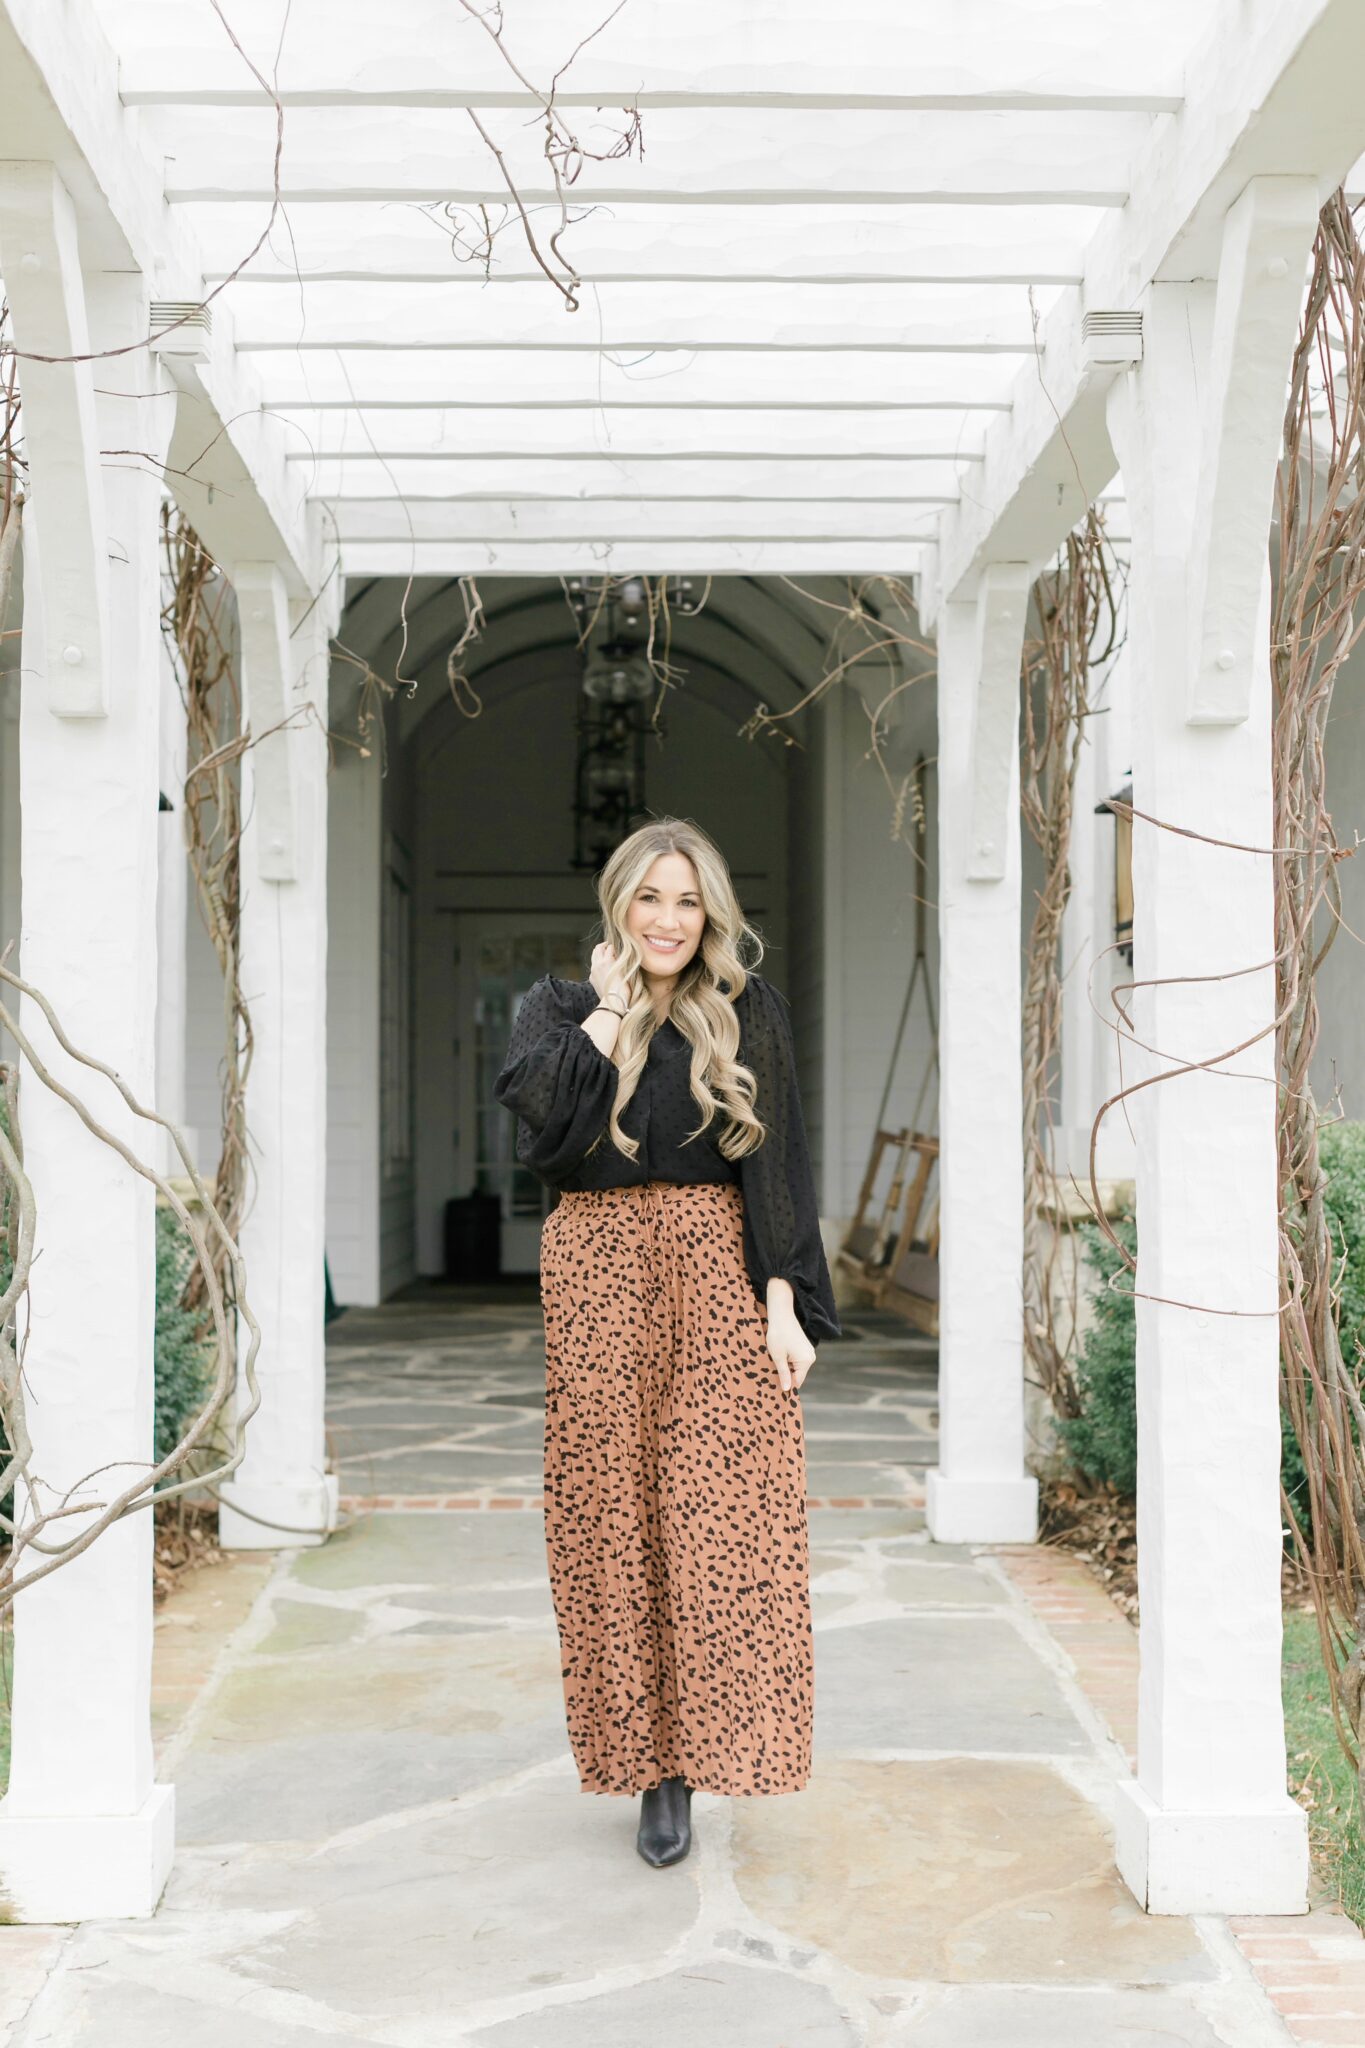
x: 898, y: 288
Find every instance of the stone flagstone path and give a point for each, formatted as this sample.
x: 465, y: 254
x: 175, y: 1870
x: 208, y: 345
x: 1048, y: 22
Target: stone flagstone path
x: 383, y: 1840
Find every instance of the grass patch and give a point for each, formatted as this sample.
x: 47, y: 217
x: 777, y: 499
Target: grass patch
x: 1320, y: 1777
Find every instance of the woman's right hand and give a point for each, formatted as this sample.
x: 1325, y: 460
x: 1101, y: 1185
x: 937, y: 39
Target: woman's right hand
x: 607, y: 974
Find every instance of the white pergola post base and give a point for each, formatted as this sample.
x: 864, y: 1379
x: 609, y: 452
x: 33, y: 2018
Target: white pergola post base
x: 280, y: 1515
x: 282, y: 1495
x: 999, y: 1510
x: 980, y: 1492
x: 88, y: 1866
x: 1192, y: 1862
x: 1208, y: 1826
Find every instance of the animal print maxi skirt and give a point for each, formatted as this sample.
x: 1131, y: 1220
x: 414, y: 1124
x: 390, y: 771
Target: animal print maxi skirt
x: 675, y: 1499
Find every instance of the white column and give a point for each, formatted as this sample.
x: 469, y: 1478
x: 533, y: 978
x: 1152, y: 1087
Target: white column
x: 980, y: 1491
x: 84, y: 1831
x: 282, y: 1495
x: 1207, y: 1825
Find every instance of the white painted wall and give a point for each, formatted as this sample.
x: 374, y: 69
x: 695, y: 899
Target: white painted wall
x: 397, y: 1160
x: 806, y: 982
x: 355, y: 799
x: 871, y: 882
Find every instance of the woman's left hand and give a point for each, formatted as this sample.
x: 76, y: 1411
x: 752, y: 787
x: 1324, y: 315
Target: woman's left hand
x: 789, y: 1348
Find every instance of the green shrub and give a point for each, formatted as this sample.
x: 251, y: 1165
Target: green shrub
x: 1343, y: 1160
x: 1102, y: 1439
x: 1342, y: 1147
x: 183, y: 1356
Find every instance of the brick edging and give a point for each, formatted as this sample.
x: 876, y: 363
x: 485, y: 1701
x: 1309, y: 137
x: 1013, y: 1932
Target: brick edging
x: 1311, y: 1966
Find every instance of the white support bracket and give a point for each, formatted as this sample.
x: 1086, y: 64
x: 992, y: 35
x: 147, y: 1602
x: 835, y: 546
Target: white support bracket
x: 1002, y: 601
x: 1267, y: 237
x: 267, y: 662
x: 40, y: 263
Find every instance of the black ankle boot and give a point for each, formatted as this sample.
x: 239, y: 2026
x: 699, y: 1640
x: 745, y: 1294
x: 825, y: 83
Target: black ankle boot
x: 665, y: 1834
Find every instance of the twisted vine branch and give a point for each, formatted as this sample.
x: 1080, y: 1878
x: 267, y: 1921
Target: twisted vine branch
x: 1078, y: 609
x: 193, y: 622
x: 1314, y: 627
x: 40, y: 1508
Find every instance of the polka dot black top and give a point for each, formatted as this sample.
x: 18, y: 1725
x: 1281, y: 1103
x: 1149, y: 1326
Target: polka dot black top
x: 561, y: 1088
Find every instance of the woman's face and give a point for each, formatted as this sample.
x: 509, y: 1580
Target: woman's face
x: 665, y: 917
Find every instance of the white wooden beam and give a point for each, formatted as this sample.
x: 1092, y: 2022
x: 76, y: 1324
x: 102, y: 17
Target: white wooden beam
x: 631, y: 318
x: 912, y: 56
x: 1041, y: 467
x: 733, y: 159
x: 399, y: 519
x: 1276, y: 96
x: 227, y: 466
x: 674, y: 376
x: 824, y: 244
x: 1001, y: 615
x: 588, y: 481
x: 562, y: 439
x: 59, y: 104
x: 67, y: 522
x: 1267, y: 240
x: 718, y: 554
x: 615, y: 412
x: 820, y: 245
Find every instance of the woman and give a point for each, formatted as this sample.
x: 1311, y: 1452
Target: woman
x: 685, y: 1288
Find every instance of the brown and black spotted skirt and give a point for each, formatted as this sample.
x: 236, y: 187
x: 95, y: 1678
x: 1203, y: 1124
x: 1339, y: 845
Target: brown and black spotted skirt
x: 675, y: 1499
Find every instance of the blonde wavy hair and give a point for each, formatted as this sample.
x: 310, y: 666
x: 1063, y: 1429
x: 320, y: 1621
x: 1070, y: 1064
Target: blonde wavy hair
x: 702, y: 1009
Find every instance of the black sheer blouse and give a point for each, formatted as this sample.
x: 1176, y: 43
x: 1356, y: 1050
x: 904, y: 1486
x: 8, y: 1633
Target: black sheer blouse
x: 561, y: 1088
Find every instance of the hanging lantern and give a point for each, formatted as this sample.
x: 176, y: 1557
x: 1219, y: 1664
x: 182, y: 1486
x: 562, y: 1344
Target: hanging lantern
x: 1120, y: 806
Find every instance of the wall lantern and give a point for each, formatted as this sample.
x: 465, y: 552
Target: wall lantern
x: 1120, y: 806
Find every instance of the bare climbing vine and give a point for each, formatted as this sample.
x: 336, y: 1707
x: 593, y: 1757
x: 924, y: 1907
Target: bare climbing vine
x: 1078, y: 610
x: 642, y: 610
x: 1316, y: 622
x: 870, y: 623
x: 474, y: 230
x: 194, y: 623
x: 51, y: 1523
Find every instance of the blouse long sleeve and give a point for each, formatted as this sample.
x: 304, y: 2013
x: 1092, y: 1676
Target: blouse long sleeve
x: 559, y: 1084
x: 781, y: 1213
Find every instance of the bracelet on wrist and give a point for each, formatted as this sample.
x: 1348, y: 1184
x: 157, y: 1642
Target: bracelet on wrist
x: 609, y: 1010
